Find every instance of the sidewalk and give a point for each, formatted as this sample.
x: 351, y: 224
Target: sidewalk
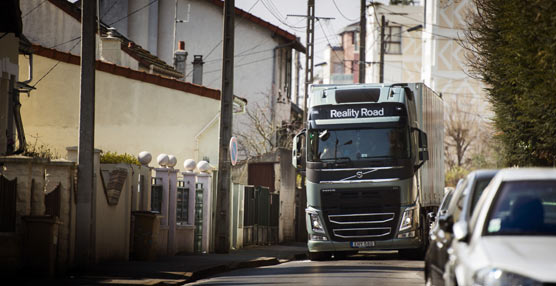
x: 180, y: 269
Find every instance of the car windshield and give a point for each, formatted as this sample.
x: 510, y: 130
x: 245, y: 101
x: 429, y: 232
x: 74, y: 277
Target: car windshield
x: 524, y: 208
x: 358, y: 144
x: 480, y: 186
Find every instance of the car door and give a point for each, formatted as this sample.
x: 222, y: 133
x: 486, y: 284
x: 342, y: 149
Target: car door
x: 443, y: 235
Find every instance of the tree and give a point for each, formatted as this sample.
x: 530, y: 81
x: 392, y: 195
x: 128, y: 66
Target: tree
x: 259, y: 136
x: 511, y: 47
x: 461, y: 131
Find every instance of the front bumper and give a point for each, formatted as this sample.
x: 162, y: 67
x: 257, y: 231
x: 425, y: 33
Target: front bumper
x: 392, y: 244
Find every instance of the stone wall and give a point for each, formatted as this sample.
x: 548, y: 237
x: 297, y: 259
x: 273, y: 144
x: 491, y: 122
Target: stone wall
x: 35, y: 179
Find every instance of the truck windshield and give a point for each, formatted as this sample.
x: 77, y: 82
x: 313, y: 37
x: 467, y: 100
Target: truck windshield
x: 358, y: 144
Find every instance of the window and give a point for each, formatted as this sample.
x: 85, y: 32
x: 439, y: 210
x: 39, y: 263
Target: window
x: 359, y: 144
x: 393, y: 40
x: 182, y: 205
x: 156, y: 195
x: 523, y: 208
x: 355, y: 41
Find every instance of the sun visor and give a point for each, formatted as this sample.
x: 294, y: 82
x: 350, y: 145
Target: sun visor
x: 357, y: 95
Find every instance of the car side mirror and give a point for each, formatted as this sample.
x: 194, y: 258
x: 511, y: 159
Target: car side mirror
x: 446, y: 222
x: 461, y: 231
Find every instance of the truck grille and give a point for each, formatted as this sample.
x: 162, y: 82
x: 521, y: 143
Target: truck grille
x: 361, y: 214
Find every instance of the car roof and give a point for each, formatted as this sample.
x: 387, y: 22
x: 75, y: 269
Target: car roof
x: 520, y: 174
x: 480, y: 174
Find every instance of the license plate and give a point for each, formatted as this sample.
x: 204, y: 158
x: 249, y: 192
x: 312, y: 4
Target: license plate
x: 362, y: 244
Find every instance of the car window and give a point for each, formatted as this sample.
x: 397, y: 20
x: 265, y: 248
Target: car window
x: 456, y: 204
x: 480, y: 186
x: 445, y: 202
x: 523, y: 208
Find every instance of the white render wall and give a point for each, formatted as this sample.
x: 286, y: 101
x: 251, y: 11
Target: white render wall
x: 405, y: 67
x: 202, y: 34
x: 51, y: 27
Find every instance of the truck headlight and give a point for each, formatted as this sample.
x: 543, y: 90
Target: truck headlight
x: 498, y: 277
x: 314, y: 219
x: 407, y: 219
x: 316, y: 223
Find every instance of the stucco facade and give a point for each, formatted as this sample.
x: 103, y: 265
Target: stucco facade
x: 402, y: 61
x: 131, y: 115
x: 444, y: 62
x: 263, y: 55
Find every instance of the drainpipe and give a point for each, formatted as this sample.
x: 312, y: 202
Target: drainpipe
x: 30, y: 70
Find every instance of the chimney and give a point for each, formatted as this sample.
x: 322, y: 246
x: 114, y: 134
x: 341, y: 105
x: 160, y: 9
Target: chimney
x: 111, y: 48
x: 180, y: 58
x: 198, y: 69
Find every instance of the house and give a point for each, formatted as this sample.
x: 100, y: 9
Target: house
x: 140, y: 103
x: 342, y: 62
x: 402, y: 42
x: 263, y: 51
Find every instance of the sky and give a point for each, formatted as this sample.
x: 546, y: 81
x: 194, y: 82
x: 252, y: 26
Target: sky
x: 346, y: 13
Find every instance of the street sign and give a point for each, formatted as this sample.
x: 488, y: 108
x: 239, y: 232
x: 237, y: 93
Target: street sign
x: 233, y: 151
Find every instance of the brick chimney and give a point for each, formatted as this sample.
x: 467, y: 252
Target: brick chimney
x: 198, y: 69
x: 180, y: 58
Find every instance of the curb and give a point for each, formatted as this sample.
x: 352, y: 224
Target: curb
x: 258, y: 262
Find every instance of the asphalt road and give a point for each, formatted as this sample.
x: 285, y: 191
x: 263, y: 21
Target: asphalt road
x: 361, y: 269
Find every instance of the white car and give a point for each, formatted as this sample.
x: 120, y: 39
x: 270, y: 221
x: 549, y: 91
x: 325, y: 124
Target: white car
x: 511, y: 237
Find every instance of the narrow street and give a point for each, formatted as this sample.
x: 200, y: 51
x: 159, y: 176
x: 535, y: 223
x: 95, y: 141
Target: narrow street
x: 361, y: 269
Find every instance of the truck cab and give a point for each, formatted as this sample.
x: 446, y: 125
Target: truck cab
x: 364, y: 150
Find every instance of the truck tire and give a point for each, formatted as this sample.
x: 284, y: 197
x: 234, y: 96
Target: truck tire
x: 419, y: 253
x: 320, y: 256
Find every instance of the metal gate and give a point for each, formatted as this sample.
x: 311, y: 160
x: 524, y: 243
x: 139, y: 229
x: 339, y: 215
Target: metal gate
x: 8, y: 190
x: 261, y: 215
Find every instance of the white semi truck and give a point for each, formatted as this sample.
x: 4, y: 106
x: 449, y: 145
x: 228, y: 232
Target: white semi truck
x: 374, y: 167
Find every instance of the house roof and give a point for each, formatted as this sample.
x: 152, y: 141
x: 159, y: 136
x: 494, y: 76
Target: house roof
x: 350, y: 28
x: 130, y: 73
x: 144, y: 57
x: 275, y: 29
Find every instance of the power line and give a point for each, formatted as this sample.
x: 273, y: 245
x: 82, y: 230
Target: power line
x: 414, y: 19
x: 54, y: 66
x: 110, y: 8
x: 324, y: 32
x: 220, y: 42
x: 30, y: 11
x: 340, y: 11
x: 149, y: 4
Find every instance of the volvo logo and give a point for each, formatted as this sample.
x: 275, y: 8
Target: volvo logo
x: 359, y: 174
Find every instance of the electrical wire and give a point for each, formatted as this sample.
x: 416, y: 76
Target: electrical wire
x: 336, y: 54
x: 340, y: 11
x: 128, y: 15
x: 110, y: 8
x: 30, y: 11
x: 55, y: 65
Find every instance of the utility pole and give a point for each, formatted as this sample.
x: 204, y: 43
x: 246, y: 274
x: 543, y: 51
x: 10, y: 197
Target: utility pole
x: 85, y: 150
x: 382, y: 47
x: 222, y: 242
x: 309, y: 55
x: 362, y: 41
x: 310, y: 40
x: 297, y: 67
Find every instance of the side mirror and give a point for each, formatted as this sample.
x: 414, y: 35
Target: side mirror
x: 423, y: 148
x: 423, y: 141
x: 461, y: 231
x: 424, y: 155
x: 446, y: 222
x: 296, y: 149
